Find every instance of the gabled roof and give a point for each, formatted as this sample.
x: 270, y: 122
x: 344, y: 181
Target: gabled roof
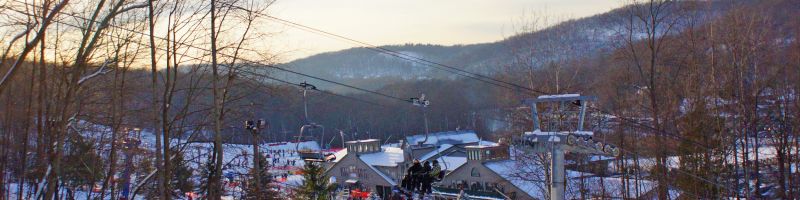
x: 506, y: 168
x: 388, y: 157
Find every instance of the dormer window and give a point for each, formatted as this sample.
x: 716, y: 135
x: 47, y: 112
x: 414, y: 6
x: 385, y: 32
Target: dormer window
x: 364, y: 146
x: 474, y: 154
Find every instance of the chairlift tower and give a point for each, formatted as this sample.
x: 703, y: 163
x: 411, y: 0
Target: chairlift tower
x: 558, y: 129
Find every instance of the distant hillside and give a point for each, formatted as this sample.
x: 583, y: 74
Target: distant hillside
x: 585, y: 37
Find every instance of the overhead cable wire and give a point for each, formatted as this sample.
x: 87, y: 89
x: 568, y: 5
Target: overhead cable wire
x: 476, y: 76
x: 310, y: 76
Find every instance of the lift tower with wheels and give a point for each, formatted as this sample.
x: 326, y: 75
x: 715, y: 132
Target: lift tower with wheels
x: 558, y: 129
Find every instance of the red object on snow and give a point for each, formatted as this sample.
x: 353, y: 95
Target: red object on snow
x: 356, y: 193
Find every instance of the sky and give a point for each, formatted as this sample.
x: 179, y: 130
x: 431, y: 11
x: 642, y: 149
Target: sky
x: 385, y: 22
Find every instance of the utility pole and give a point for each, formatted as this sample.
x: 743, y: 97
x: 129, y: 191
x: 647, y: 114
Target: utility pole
x: 557, y: 139
x: 254, y: 127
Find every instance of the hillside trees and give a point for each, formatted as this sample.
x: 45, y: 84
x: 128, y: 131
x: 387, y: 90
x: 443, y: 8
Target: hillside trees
x: 650, y: 22
x: 89, y: 71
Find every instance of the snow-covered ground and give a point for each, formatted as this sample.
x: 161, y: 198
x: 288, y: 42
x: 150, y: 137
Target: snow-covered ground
x: 282, y: 157
x: 531, y: 179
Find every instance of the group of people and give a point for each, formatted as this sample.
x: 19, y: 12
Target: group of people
x: 419, y: 177
x: 281, y: 152
x: 286, y: 161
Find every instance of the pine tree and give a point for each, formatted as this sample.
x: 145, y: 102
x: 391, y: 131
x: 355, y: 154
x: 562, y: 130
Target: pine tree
x: 266, y: 189
x: 315, y: 183
x: 181, y: 174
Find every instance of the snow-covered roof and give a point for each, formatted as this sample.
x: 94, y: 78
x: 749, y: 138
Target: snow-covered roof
x: 360, y: 141
x: 441, y: 148
x: 451, y: 162
x: 506, y: 170
x: 540, y: 132
x: 340, y: 154
x: 558, y: 96
x: 449, y: 137
x: 389, y: 157
x: 484, y: 144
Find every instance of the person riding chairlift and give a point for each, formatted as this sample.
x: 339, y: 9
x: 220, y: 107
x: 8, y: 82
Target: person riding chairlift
x: 436, y: 172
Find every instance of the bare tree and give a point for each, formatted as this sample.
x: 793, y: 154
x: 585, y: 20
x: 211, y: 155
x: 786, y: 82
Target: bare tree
x: 650, y: 22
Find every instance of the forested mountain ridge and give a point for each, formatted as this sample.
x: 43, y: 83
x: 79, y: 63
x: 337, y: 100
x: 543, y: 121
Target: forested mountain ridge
x: 576, y: 38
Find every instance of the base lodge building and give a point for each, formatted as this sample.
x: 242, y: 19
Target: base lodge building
x: 473, y: 168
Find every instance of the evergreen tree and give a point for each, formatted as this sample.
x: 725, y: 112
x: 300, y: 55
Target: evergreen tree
x: 85, y: 166
x: 315, y: 183
x: 181, y: 174
x: 266, y: 190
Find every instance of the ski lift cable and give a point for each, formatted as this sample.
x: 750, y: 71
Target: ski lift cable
x: 326, y: 80
x: 253, y: 62
x: 427, y: 62
x: 316, y: 89
x: 397, y: 54
x: 424, y: 61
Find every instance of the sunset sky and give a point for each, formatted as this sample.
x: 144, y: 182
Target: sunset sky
x: 383, y: 22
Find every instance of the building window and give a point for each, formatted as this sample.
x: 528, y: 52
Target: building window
x: 352, y: 172
x: 475, y: 172
x: 474, y: 154
x: 475, y: 186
